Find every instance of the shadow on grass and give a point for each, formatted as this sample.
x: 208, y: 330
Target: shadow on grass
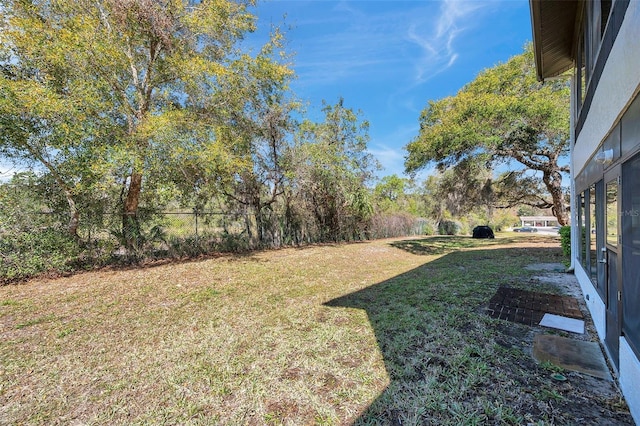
x: 447, y: 361
x: 443, y: 244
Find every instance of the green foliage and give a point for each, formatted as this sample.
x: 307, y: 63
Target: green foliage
x: 390, y: 193
x: 449, y: 227
x: 139, y: 240
x: 565, y: 240
x: 123, y: 108
x: 429, y: 227
x: 504, y: 219
x: 230, y: 243
x: 330, y: 167
x: 551, y: 367
x: 190, y: 247
x: 26, y: 254
x: 134, y: 95
x: 466, y: 187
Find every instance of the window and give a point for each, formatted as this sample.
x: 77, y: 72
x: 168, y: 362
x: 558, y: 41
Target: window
x: 598, y: 12
x: 593, y: 48
x: 588, y: 60
x: 612, y: 213
x: 598, y: 221
x: 581, y: 241
x: 593, y: 32
x: 630, y: 224
x: 581, y: 84
x: 593, y: 249
x: 605, y: 11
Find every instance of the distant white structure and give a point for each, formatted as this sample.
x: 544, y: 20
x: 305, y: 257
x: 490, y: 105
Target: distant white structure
x: 541, y: 221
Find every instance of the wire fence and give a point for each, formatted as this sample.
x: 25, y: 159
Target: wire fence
x: 161, y: 229
x: 99, y: 227
x: 35, y: 242
x: 193, y: 224
x: 198, y: 223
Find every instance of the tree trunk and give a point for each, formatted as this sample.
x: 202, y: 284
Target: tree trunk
x: 74, y: 216
x: 553, y: 182
x: 259, y: 222
x: 130, y: 224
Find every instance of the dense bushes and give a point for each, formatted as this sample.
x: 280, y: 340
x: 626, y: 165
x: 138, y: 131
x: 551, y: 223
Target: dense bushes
x: 449, y: 227
x: 46, y: 246
x: 34, y: 237
x: 30, y: 253
x: 396, y: 225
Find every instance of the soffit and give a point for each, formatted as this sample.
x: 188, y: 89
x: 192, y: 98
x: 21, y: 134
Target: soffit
x: 554, y: 30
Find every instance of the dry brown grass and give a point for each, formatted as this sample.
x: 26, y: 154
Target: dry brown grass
x: 369, y: 332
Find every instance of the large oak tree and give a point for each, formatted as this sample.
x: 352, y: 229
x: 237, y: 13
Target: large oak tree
x: 504, y: 115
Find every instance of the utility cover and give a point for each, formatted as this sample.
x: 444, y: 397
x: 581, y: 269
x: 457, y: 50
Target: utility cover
x: 563, y: 323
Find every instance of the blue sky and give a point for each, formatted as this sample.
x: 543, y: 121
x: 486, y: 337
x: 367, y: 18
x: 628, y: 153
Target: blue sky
x: 389, y: 58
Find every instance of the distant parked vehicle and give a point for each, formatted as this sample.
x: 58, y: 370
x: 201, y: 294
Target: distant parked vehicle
x: 483, y: 231
x: 525, y: 229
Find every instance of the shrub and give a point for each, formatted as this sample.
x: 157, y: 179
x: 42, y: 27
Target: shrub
x: 565, y: 240
x: 231, y: 243
x: 389, y: 225
x: 28, y: 254
x: 181, y: 247
x: 429, y: 227
x: 449, y: 227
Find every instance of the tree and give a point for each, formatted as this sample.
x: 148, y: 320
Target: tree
x: 260, y: 185
x: 330, y: 170
x: 159, y: 79
x: 389, y: 191
x: 394, y: 194
x: 505, y: 114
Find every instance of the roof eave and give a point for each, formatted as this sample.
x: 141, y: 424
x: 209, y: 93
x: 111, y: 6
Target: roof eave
x: 553, y: 23
x: 534, y: 7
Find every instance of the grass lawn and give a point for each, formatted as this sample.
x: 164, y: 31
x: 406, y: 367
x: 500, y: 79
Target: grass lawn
x: 383, y: 332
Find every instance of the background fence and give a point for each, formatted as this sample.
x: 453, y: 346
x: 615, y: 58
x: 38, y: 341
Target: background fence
x: 34, y: 242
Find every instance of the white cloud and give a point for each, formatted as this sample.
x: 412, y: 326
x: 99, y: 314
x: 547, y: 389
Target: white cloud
x: 389, y: 151
x: 354, y: 38
x: 352, y: 41
x: 438, y: 44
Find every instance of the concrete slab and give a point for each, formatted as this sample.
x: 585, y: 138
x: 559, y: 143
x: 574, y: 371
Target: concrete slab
x: 570, y: 354
x: 547, y: 267
x: 566, y: 283
x: 563, y: 323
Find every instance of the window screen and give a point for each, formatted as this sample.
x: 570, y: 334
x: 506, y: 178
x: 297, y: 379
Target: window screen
x: 593, y: 249
x: 581, y: 230
x: 612, y: 212
x: 630, y: 221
